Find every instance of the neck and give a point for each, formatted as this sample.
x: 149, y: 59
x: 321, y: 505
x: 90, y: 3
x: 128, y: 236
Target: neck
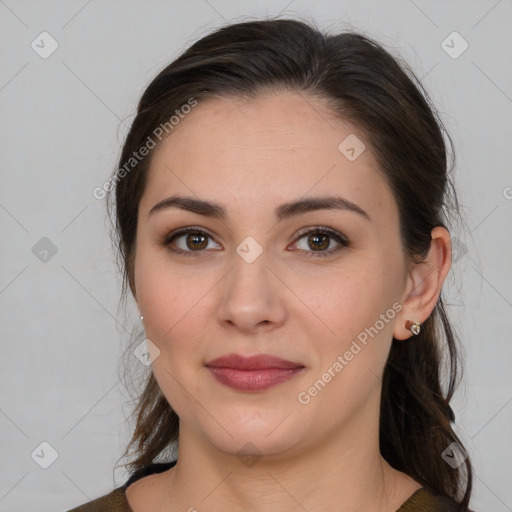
x: 342, y: 472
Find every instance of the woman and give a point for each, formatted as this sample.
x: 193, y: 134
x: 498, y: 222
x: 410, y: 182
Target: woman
x: 280, y: 210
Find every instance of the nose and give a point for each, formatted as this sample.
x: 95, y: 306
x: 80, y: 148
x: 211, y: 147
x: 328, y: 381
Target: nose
x: 252, y: 296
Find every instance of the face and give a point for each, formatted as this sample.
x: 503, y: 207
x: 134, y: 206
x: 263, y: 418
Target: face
x: 319, y: 286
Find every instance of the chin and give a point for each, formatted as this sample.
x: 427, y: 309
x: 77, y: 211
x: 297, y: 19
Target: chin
x: 255, y: 437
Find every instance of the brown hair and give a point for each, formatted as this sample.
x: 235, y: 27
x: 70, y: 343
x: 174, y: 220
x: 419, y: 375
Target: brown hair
x: 365, y: 85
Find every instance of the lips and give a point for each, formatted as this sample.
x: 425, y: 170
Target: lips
x: 258, y: 362
x: 255, y: 373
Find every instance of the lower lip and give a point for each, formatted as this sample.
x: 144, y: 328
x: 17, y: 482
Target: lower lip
x: 253, y: 380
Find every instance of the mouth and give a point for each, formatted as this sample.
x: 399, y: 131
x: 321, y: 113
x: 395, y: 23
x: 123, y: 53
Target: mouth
x: 255, y: 373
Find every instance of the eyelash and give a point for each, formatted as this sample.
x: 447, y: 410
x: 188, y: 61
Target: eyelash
x: 317, y: 230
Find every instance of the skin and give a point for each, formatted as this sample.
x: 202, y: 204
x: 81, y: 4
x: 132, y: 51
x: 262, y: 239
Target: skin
x: 250, y: 157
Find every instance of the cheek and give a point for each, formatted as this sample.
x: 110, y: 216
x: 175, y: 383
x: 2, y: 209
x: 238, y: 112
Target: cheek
x: 354, y: 311
x: 175, y: 300
x: 173, y: 303
x: 165, y: 290
x: 346, y: 302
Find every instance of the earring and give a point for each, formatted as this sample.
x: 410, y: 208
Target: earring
x: 141, y: 318
x: 414, y: 327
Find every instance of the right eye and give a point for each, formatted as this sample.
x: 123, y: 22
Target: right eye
x: 189, y: 240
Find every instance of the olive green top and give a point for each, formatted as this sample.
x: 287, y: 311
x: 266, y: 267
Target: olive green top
x: 421, y: 501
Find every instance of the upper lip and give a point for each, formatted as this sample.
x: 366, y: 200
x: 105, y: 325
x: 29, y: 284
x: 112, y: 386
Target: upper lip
x: 257, y: 362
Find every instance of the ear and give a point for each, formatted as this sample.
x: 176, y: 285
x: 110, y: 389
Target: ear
x: 423, y: 283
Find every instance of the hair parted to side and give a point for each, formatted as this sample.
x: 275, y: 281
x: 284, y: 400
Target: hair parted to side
x: 368, y: 87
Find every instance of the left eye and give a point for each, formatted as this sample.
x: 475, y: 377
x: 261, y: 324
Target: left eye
x: 320, y: 241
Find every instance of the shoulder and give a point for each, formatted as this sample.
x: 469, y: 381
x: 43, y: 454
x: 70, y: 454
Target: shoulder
x: 425, y: 501
x: 116, y: 501
x: 112, y: 502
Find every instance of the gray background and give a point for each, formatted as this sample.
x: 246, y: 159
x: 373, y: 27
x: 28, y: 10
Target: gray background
x: 63, y: 118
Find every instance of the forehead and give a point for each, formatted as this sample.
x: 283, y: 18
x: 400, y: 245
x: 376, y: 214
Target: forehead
x: 250, y: 154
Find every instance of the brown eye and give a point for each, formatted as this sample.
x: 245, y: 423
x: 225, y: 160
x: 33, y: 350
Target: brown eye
x: 188, y: 241
x: 196, y: 241
x: 319, y: 239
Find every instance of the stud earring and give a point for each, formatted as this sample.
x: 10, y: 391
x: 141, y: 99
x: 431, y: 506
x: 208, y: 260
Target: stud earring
x: 414, y: 327
x: 141, y: 318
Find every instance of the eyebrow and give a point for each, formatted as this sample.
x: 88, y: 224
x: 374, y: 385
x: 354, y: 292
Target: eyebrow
x: 284, y: 211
